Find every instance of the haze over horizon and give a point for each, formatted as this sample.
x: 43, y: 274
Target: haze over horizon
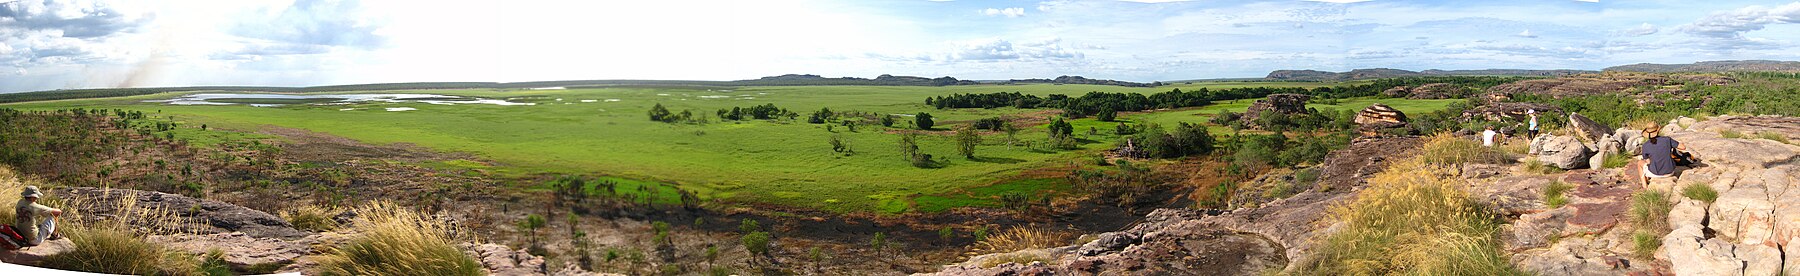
x: 98, y: 44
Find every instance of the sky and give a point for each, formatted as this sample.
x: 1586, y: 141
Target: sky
x: 65, y: 44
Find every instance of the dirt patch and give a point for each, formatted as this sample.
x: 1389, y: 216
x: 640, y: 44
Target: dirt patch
x: 306, y: 145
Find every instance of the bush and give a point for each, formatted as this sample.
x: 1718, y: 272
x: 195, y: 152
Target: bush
x: 1533, y: 165
x: 311, y: 218
x: 113, y: 250
x: 397, y: 241
x: 1701, y: 192
x: 923, y: 120
x: 1553, y: 194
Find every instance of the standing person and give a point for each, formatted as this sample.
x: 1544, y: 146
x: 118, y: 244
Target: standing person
x: 1660, y: 151
x: 1533, y: 130
x: 1487, y: 136
x: 26, y: 215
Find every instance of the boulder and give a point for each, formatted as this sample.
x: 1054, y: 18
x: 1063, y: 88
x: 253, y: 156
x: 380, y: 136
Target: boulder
x: 1588, y: 128
x: 1564, y: 152
x: 502, y: 260
x: 1437, y: 91
x: 1631, y: 141
x: 1108, y: 242
x: 1537, y: 144
x: 1599, y: 159
x: 1536, y: 230
x: 1280, y: 103
x: 1609, y: 144
x: 213, y: 216
x: 1379, y: 119
x: 1692, y: 254
x: 1397, y: 92
x: 36, y: 254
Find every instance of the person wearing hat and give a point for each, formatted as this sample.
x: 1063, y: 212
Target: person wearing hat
x: 1660, y: 151
x: 27, y: 214
x: 1533, y: 130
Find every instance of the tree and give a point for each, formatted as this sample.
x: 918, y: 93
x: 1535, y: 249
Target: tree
x: 839, y: 145
x: 662, y: 233
x: 887, y: 120
x: 966, y: 139
x: 531, y: 225
x: 818, y: 257
x: 659, y: 113
x: 757, y: 243
x: 879, y: 242
x: 909, y: 147
x: 749, y: 225
x: 923, y: 120
x: 1106, y: 114
x: 946, y: 233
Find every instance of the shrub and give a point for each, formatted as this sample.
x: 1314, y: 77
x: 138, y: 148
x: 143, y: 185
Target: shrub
x: 1412, y: 220
x: 923, y: 120
x: 1553, y: 194
x: 1701, y: 192
x: 757, y: 243
x: 1532, y: 165
x: 1020, y: 238
x: 311, y: 218
x: 397, y: 241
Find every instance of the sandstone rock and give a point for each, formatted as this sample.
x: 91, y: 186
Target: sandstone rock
x: 501, y: 260
x: 1609, y: 144
x: 1694, y: 256
x: 1537, y: 144
x: 1108, y: 242
x: 1564, y: 152
x: 1279, y: 103
x: 1437, y: 91
x: 240, y: 250
x: 1504, y: 111
x: 1570, y: 257
x: 1536, y: 230
x: 1397, y: 92
x: 1588, y: 128
x: 1631, y: 141
x: 1759, y: 259
x: 1599, y: 159
x: 1686, y: 213
x: 1744, y: 214
x: 1380, y: 113
x: 218, y: 217
x: 36, y: 254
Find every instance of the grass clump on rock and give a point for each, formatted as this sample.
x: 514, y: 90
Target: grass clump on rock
x: 311, y: 218
x: 112, y: 250
x: 1554, y: 194
x: 1701, y: 192
x: 1449, y: 150
x: 397, y: 241
x: 1415, y: 219
x: 1022, y: 238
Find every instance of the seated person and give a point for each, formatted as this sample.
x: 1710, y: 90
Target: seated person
x: 27, y: 218
x: 1660, y: 152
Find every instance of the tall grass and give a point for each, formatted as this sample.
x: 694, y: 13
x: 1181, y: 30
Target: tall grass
x: 1731, y: 134
x: 311, y: 217
x: 1021, y: 238
x: 1773, y: 136
x: 111, y: 244
x: 1615, y: 160
x: 1650, y: 211
x: 1533, y: 165
x: 1413, y: 219
x: 397, y: 241
x: 1448, y: 150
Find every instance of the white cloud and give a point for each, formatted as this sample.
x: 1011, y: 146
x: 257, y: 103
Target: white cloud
x: 1008, y: 12
x: 1341, y: 1
x: 1726, y: 29
x: 1642, y: 30
x: 1526, y: 34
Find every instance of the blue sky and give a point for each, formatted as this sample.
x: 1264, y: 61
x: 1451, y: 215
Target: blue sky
x: 89, y: 43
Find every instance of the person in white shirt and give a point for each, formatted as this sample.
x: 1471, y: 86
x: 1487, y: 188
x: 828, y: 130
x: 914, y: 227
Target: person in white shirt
x: 1487, y: 137
x: 1533, y: 130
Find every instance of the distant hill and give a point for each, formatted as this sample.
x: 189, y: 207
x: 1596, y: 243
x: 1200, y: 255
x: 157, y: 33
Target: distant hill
x: 1713, y: 66
x: 1082, y: 80
x: 1379, y: 73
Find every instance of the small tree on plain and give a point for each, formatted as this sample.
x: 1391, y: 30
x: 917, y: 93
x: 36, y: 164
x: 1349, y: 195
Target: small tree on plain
x: 923, y: 120
x: 966, y: 139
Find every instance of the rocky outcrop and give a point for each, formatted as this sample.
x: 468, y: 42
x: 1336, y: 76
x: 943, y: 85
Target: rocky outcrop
x: 1564, y: 152
x: 1379, y: 119
x: 217, y: 217
x: 1504, y: 111
x: 1192, y: 242
x: 242, y: 251
x: 1588, y: 128
x: 1277, y: 103
x: 36, y: 254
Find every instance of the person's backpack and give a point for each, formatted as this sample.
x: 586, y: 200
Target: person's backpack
x: 1683, y: 158
x: 10, y: 238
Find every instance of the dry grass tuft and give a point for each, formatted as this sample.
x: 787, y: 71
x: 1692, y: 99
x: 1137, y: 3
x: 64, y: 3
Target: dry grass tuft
x: 1013, y: 258
x: 397, y: 241
x: 107, y: 244
x: 1413, y: 219
x: 1448, y: 150
x: 1022, y: 238
x: 312, y: 218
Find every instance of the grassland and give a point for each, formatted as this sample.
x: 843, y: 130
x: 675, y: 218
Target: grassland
x: 605, y: 132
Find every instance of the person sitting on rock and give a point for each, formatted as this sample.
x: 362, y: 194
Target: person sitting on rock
x: 1487, y: 136
x: 26, y: 218
x: 1660, y: 152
